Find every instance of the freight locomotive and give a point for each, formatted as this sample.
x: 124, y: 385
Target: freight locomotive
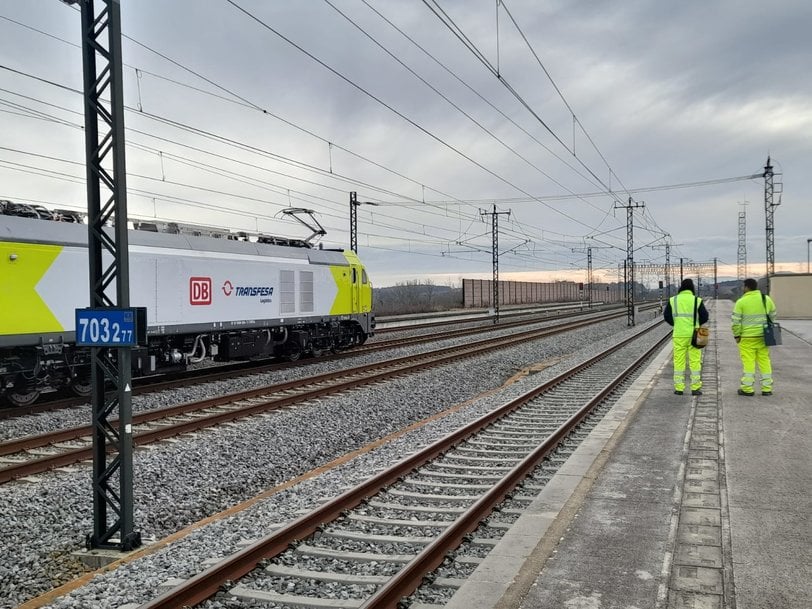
x: 236, y: 297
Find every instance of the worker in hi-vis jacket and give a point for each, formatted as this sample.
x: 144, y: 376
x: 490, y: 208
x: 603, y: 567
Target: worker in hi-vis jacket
x: 685, y: 312
x: 750, y: 313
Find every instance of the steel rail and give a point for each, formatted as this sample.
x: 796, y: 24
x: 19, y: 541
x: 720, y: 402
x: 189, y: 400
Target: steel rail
x: 540, y: 314
x: 40, y: 440
x: 172, y: 380
x: 409, y: 578
x: 388, y: 369
x: 206, y: 583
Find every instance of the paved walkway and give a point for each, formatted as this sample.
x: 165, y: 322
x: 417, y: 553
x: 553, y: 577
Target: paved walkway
x: 676, y: 502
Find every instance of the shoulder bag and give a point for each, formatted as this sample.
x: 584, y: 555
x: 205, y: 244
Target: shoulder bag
x: 701, y: 335
x: 772, y: 331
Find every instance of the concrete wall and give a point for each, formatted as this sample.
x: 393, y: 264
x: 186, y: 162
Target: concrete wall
x: 792, y: 295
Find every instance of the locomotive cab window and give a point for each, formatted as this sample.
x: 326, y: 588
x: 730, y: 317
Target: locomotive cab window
x: 364, y: 276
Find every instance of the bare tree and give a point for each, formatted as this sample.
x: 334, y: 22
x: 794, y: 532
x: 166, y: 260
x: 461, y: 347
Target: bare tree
x: 415, y: 296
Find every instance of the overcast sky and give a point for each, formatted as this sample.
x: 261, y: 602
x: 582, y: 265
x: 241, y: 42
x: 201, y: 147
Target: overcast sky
x: 229, y: 123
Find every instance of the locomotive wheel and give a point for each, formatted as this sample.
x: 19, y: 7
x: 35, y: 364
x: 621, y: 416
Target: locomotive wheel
x: 293, y: 352
x: 23, y: 399
x: 81, y: 387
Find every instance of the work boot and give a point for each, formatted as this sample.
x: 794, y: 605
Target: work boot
x: 696, y: 392
x: 766, y: 393
x: 677, y: 392
x: 742, y: 392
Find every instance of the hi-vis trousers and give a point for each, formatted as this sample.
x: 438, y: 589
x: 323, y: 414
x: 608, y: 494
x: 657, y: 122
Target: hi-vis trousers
x: 753, y: 351
x: 683, y: 347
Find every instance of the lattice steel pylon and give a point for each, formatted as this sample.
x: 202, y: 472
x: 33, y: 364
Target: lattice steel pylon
x: 495, y: 256
x: 741, y: 255
x: 771, y: 188
x: 629, y: 274
x: 354, y: 203
x: 589, y: 274
x: 666, y: 268
x: 354, y: 222
x: 109, y: 273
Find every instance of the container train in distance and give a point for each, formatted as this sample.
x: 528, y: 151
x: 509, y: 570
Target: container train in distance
x: 227, y: 298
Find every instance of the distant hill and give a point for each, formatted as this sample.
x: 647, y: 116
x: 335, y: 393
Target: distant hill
x: 415, y: 297
x: 733, y: 289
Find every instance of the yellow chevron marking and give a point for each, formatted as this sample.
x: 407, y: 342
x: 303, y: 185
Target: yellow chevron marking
x: 342, y: 305
x: 22, y: 311
x: 342, y: 275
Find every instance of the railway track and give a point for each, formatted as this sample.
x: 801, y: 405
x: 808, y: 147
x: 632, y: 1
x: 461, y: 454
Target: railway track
x: 36, y: 454
x: 174, y: 380
x: 373, y: 545
x: 541, y: 313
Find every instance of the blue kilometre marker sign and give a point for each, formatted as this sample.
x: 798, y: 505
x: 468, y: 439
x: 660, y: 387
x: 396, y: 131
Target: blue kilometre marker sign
x: 106, y: 327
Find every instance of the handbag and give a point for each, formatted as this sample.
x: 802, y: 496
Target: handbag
x: 772, y: 330
x: 701, y: 335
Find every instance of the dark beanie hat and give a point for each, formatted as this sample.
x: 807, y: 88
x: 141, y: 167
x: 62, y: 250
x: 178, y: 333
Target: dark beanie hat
x: 687, y: 284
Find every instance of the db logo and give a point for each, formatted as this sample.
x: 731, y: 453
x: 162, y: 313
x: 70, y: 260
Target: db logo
x: 200, y: 290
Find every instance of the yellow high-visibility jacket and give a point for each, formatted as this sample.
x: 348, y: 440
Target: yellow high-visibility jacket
x: 750, y: 314
x: 679, y: 312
